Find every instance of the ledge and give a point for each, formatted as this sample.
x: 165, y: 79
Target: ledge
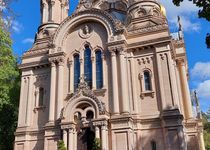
x: 147, y: 93
x: 39, y: 108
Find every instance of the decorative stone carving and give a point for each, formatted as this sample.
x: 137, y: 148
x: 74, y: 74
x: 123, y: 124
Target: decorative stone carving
x: 85, y: 32
x: 84, y: 90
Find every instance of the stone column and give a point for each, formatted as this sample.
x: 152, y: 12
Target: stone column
x: 173, y: 80
x: 185, y: 89
x: 124, y: 83
x: 81, y: 67
x: 52, y: 92
x: 44, y: 12
x: 60, y: 86
x: 134, y: 86
x: 75, y: 139
x: 65, y: 137
x: 115, y: 84
x: 71, y: 140
x: 201, y: 141
x: 93, y: 73
x: 29, y: 100
x: 62, y: 12
x: 104, y: 137
x: 97, y: 132
x: 21, y: 108
x: 104, y: 70
x: 52, y: 12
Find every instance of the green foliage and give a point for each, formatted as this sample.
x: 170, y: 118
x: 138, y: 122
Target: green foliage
x: 96, y: 144
x: 204, y: 6
x: 206, y: 125
x: 61, y: 145
x: 9, y: 91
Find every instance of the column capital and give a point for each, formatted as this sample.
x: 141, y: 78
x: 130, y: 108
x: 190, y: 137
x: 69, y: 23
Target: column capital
x: 180, y: 61
x: 81, y: 60
x: 52, y: 64
x: 92, y: 58
x: 61, y: 60
x: 100, y: 123
x: 52, y: 2
x: 103, y: 56
x: 113, y: 53
x: 70, y: 62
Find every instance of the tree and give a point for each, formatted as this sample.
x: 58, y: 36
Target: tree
x: 204, y: 12
x: 9, y: 90
x: 96, y: 144
x: 61, y: 145
x: 206, y: 131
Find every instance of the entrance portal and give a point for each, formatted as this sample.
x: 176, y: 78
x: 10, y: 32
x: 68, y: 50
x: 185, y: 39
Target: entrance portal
x: 85, y: 139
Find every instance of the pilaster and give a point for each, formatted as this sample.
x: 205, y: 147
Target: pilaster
x: 60, y: 98
x: 115, y: 93
x: 185, y: 89
x: 52, y: 91
x: 29, y: 100
x: 124, y: 81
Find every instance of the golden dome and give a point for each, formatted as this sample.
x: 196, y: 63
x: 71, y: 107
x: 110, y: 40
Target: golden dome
x: 163, y: 10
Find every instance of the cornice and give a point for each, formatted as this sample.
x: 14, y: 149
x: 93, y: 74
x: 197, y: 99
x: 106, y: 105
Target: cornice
x: 33, y: 64
x: 149, y: 42
x: 148, y: 29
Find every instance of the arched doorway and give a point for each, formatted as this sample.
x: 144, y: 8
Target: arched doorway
x: 85, y: 139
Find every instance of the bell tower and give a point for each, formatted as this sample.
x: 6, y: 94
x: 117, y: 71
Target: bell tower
x: 54, y: 11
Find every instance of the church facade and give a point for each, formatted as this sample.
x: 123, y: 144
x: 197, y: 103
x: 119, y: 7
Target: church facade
x: 111, y: 71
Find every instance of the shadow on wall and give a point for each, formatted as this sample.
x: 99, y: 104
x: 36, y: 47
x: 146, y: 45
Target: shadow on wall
x: 158, y: 138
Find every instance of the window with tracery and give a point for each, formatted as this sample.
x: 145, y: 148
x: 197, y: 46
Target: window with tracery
x: 99, y: 70
x: 88, y: 66
x: 147, y: 81
x: 76, y: 71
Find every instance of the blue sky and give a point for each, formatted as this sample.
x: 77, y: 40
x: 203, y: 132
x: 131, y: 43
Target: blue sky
x: 28, y: 19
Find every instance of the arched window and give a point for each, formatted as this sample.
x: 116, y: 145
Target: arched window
x: 147, y: 81
x: 41, y: 96
x: 153, y: 145
x: 99, y: 70
x: 76, y: 71
x: 88, y: 66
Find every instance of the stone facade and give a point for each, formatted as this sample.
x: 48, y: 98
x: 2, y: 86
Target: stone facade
x: 138, y: 100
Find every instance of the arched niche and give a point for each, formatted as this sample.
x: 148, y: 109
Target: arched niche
x: 76, y: 105
x: 90, y: 33
x: 99, y: 17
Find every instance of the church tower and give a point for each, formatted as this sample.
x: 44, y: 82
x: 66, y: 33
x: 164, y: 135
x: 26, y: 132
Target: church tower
x: 111, y: 72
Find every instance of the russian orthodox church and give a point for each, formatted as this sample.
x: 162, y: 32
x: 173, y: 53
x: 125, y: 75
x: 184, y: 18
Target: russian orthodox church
x: 110, y: 72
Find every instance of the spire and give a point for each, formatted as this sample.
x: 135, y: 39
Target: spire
x: 180, y: 32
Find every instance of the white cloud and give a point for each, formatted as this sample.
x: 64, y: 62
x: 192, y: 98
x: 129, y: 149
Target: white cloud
x: 2, y: 5
x: 16, y: 26
x: 186, y: 7
x: 200, y: 78
x: 201, y: 70
x: 203, y: 90
x: 28, y: 40
x: 187, y: 24
x: 186, y: 10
